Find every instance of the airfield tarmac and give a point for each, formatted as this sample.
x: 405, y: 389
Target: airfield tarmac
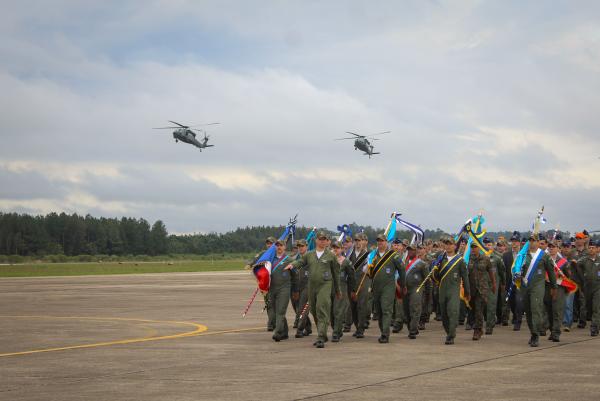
x: 180, y: 336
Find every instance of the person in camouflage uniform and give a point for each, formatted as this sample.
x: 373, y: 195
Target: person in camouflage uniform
x: 589, y: 270
x: 382, y: 271
x: 324, y: 273
x: 347, y: 285
x: 481, y: 273
x: 497, y: 289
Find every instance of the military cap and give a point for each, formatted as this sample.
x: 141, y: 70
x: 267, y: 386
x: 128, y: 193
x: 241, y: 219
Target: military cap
x: 515, y: 237
x: 336, y: 244
x: 594, y: 242
x: 381, y: 237
x: 566, y: 243
x: 558, y: 236
x: 347, y: 238
x: 411, y: 246
x: 397, y: 241
x: 280, y: 242
x: 405, y: 242
x: 301, y: 242
x: 488, y: 240
x: 448, y: 240
x: 552, y: 244
x: 420, y: 246
x: 322, y: 234
x: 271, y: 240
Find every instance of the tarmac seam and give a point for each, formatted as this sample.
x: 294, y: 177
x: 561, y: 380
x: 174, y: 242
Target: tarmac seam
x: 442, y: 369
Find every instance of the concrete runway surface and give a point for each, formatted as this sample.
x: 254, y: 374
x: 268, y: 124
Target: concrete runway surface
x: 181, y: 337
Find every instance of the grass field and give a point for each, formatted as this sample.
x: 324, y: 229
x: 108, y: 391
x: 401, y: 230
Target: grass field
x: 84, y: 269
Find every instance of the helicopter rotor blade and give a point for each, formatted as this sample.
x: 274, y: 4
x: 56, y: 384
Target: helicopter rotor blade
x: 203, y: 125
x: 379, y: 133
x: 341, y: 139
x: 167, y: 128
x: 352, y: 133
x: 180, y: 125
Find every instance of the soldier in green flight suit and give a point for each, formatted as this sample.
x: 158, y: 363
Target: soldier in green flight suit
x: 480, y: 275
x: 399, y: 247
x: 382, y: 271
x: 448, y: 274
x: 304, y: 325
x: 347, y: 285
x: 415, y: 272
x: 589, y: 269
x: 324, y: 272
x: 533, y: 272
x: 283, y: 284
x: 497, y: 289
x: 359, y: 304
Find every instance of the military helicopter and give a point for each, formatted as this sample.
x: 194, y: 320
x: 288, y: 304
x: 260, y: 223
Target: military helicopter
x: 362, y: 143
x: 185, y: 133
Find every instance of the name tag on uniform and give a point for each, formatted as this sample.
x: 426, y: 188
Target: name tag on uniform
x: 539, y: 271
x: 455, y: 275
x: 326, y: 275
x: 388, y: 270
x: 306, y: 273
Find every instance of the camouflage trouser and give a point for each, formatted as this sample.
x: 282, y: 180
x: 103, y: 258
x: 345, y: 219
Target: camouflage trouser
x: 478, y: 303
x: 413, y: 302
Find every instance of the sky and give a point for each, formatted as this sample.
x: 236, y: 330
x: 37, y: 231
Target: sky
x: 492, y: 107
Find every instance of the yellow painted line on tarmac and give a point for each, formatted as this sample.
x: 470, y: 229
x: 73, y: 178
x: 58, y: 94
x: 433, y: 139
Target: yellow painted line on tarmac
x: 210, y: 333
x: 199, y: 328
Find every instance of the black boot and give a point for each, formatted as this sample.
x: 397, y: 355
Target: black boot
x: 383, y: 339
x: 449, y: 340
x: 535, y: 341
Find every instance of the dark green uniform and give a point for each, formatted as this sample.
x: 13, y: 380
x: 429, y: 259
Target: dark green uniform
x: 341, y: 306
x: 533, y: 287
x: 479, y: 268
x: 324, y: 272
x: 589, y: 270
x: 304, y: 324
x: 384, y: 288
x: 555, y: 308
x: 579, y: 305
x: 416, y: 271
x: 449, y: 291
x: 360, y: 308
x: 283, y: 282
x: 499, y: 271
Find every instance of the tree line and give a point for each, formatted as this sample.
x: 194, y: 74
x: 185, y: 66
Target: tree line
x: 72, y: 235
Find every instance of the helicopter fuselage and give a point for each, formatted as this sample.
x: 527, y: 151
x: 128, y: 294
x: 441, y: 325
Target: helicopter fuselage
x: 364, y: 145
x: 188, y: 136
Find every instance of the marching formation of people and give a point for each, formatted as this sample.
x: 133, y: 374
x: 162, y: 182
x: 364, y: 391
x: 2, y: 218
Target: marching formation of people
x: 347, y: 286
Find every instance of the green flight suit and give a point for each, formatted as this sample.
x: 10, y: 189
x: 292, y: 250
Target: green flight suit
x: 341, y: 306
x: 283, y: 283
x: 323, y: 273
x: 384, y: 288
x: 589, y: 269
x: 580, y: 311
x: 360, y: 308
x: 449, y: 292
x: 494, y: 297
x: 304, y: 324
x: 415, y: 273
x: 479, y: 269
x: 533, y: 291
x: 427, y: 296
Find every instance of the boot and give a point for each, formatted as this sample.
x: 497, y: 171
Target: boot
x: 421, y: 325
x: 477, y: 334
x: 383, y: 339
x: 299, y: 334
x: 449, y: 340
x: 535, y: 341
x: 489, y: 331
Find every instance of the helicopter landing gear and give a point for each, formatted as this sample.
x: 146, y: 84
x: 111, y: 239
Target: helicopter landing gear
x: 176, y: 141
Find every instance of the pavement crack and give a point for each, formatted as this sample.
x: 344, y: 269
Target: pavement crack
x: 447, y: 368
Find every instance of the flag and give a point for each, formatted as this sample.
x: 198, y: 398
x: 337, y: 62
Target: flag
x: 418, y: 233
x: 345, y: 231
x: 390, y: 231
x: 310, y: 239
x: 262, y: 267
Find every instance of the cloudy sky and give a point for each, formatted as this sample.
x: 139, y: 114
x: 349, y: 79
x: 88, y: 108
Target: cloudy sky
x: 493, y: 106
